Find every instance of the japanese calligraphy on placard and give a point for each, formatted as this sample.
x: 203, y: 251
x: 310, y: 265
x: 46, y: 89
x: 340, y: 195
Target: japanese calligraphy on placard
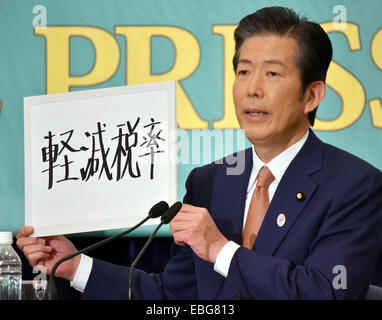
x: 98, y: 159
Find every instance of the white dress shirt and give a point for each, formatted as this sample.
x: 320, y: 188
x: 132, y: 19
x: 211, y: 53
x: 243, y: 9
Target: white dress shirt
x: 277, y: 166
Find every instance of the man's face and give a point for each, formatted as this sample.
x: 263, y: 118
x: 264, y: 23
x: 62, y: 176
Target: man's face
x: 267, y: 93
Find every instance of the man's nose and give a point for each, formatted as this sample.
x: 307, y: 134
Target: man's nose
x: 255, y: 87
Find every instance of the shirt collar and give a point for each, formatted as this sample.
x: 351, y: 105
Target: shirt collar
x: 277, y: 165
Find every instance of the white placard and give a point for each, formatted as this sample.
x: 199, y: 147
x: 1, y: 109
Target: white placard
x: 99, y: 159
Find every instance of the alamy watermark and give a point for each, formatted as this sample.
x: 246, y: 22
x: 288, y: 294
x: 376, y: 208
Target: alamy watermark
x: 340, y: 20
x: 339, y: 282
x: 40, y: 16
x: 219, y: 146
x: 39, y: 282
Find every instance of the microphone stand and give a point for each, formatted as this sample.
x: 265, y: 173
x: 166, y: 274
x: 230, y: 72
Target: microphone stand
x: 156, y: 211
x: 165, y: 219
x: 130, y: 295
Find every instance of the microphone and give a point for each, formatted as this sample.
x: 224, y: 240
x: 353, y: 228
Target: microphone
x: 165, y: 219
x: 156, y: 211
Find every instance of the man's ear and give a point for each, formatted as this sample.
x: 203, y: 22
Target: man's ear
x: 313, y: 96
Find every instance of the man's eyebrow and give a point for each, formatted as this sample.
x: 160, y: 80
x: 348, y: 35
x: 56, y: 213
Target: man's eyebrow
x: 275, y: 61
x: 244, y: 61
x: 269, y: 61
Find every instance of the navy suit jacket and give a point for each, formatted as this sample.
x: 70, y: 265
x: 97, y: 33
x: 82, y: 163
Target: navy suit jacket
x: 327, y: 248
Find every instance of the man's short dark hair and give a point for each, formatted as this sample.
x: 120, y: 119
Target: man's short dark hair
x: 314, y: 47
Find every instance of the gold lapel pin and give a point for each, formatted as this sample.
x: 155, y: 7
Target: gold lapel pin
x: 300, y: 196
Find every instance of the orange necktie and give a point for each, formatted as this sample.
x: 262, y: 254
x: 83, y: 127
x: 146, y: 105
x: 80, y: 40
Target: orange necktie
x: 257, y: 208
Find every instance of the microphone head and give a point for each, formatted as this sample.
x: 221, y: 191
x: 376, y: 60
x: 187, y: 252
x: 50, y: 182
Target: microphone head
x: 158, y: 209
x: 171, y: 212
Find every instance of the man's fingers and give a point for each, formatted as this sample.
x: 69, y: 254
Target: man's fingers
x: 36, y: 253
x: 36, y: 257
x: 189, y: 211
x: 25, y: 242
x: 184, y: 215
x: 182, y: 225
x: 180, y: 243
x: 28, y: 250
x: 25, y: 231
x: 180, y: 238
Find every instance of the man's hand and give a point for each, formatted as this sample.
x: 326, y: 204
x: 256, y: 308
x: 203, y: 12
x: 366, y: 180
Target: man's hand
x: 195, y: 227
x: 47, y: 251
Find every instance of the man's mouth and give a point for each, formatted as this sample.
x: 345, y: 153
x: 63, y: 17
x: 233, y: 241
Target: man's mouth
x: 260, y: 113
x: 255, y: 112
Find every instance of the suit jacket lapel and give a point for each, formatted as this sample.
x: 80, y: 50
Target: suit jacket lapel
x: 228, y: 199
x: 296, y: 179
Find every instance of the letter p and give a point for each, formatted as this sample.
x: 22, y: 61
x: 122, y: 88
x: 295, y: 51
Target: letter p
x: 58, y: 78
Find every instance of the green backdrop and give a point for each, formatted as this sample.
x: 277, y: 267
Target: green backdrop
x: 353, y: 95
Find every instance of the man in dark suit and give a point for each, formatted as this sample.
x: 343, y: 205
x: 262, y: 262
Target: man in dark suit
x: 301, y: 222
